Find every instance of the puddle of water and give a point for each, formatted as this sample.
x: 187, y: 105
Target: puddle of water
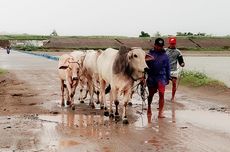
x: 206, y: 119
x: 68, y: 143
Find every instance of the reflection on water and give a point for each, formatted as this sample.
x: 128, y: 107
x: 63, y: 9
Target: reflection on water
x: 93, y: 132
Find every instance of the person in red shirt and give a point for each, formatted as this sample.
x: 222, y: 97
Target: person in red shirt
x: 175, y: 56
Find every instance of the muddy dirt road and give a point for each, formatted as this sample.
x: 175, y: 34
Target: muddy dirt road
x: 31, y: 118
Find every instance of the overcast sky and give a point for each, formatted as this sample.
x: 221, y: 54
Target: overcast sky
x: 115, y: 17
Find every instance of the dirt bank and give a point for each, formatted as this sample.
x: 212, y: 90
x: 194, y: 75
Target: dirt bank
x: 18, y: 97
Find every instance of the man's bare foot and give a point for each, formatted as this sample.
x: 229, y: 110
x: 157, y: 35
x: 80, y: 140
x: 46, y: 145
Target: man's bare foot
x: 172, y: 99
x: 161, y: 116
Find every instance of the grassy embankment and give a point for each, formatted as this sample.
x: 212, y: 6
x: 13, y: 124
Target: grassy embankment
x: 198, y: 79
x: 2, y: 71
x: 181, y: 47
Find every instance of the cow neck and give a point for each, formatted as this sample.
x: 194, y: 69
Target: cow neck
x: 129, y: 72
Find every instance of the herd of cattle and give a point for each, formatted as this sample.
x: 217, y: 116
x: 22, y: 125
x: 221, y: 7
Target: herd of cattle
x: 97, y: 69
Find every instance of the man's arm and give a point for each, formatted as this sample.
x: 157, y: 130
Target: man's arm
x: 181, y: 61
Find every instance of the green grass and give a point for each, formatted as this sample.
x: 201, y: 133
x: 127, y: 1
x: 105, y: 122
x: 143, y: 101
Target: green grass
x: 224, y: 48
x: 29, y: 48
x: 198, y: 79
x: 24, y: 37
x: 2, y: 71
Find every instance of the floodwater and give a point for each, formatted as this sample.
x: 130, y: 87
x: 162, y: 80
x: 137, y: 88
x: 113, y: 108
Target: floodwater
x: 191, y: 123
x: 215, y: 67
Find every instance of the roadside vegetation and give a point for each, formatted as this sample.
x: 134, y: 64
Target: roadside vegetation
x: 29, y: 48
x: 24, y: 37
x: 2, y: 71
x: 198, y: 79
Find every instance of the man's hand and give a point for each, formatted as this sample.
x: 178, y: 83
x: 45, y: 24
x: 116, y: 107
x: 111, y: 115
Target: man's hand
x: 182, y: 65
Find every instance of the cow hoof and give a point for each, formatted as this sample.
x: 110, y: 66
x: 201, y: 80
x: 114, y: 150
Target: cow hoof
x: 82, y: 101
x: 102, y: 107
x: 130, y: 104
x: 111, y: 116
x: 73, y: 107
x: 106, y: 113
x: 68, y: 103
x: 117, y: 118
x: 92, y: 106
x: 125, y: 121
x: 97, y: 102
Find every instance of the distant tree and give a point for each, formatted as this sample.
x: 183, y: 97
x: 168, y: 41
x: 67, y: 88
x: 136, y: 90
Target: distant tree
x: 189, y: 34
x: 54, y: 33
x: 143, y: 34
x: 201, y: 34
x: 179, y: 34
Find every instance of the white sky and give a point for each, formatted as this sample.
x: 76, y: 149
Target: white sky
x: 115, y: 17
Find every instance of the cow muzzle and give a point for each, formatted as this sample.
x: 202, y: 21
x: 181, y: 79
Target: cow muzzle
x: 75, y: 78
x: 146, y: 70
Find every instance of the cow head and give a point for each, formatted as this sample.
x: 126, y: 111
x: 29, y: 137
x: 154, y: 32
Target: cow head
x: 73, y: 66
x: 136, y: 58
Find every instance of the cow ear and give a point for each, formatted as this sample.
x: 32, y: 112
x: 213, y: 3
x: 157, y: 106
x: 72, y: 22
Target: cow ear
x: 65, y: 64
x: 130, y: 55
x: 63, y: 67
x: 149, y: 57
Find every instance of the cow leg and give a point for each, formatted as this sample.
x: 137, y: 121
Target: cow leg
x: 98, y: 95
x: 117, y: 117
x: 111, y: 115
x: 62, y: 93
x: 67, y: 97
x: 69, y: 88
x: 96, y: 88
x: 126, y: 99
x: 81, y: 92
x: 86, y: 93
x: 102, y: 95
x: 75, y: 83
x: 81, y: 95
x: 103, y: 102
x: 91, y: 92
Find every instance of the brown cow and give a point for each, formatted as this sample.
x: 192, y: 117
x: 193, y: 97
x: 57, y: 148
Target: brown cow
x: 69, y: 71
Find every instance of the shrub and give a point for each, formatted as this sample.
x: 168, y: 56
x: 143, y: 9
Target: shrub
x: 198, y: 79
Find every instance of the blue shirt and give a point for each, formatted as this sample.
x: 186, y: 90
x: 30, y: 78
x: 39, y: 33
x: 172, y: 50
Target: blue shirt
x: 159, y: 68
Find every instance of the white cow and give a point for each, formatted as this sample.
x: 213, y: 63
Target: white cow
x: 120, y: 68
x: 69, y: 71
x: 80, y: 55
x: 91, y: 73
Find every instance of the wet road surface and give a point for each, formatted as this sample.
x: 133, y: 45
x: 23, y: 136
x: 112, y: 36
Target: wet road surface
x: 191, y: 124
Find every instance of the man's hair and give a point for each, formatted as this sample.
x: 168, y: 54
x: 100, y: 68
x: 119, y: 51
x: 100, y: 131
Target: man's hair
x: 159, y: 42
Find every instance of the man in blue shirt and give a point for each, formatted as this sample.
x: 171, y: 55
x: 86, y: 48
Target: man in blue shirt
x: 158, y: 74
